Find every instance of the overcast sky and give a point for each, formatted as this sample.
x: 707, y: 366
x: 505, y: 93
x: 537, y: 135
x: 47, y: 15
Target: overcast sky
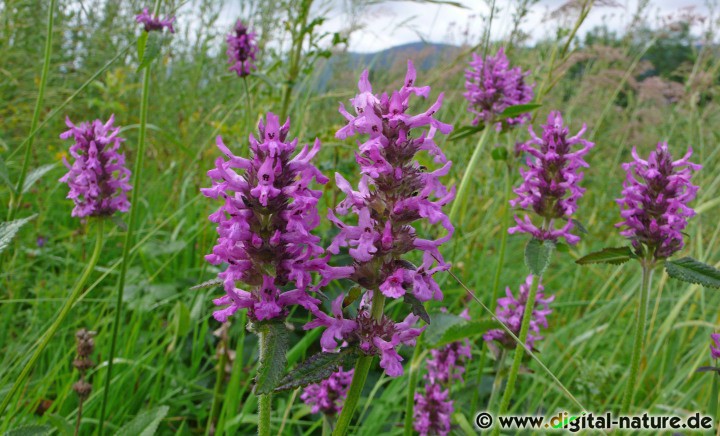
x: 399, y: 22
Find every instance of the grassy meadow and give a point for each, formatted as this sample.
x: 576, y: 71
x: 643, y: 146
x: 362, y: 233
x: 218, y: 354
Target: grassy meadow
x: 656, y: 81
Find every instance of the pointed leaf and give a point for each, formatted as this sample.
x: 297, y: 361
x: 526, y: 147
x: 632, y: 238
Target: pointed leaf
x: 611, y: 255
x: 690, y: 270
x: 35, y: 175
x: 465, y: 131
x: 317, y: 368
x: 208, y: 284
x: 440, y: 323
x: 152, y: 49
x: 8, y: 230
x: 417, y: 307
x: 537, y: 255
x: 518, y: 109
x: 466, y: 330
x: 145, y: 423
x: 141, y: 42
x: 273, y: 355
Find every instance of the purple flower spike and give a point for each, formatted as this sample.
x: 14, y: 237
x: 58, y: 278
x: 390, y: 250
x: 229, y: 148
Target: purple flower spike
x: 154, y: 23
x: 432, y: 411
x: 98, y: 178
x: 715, y: 351
x: 242, y: 50
x: 510, y: 311
x: 264, y: 225
x: 551, y: 183
x: 654, y: 202
x: 329, y: 395
x: 492, y: 86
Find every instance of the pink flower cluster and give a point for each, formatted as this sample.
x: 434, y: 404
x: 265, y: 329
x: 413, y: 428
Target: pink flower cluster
x: 242, y: 50
x: 98, y: 178
x: 154, y: 23
x: 654, y: 202
x: 329, y: 395
x: 551, y: 183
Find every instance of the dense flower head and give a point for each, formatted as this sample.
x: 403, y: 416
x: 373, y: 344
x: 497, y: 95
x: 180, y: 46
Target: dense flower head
x: 510, y: 311
x: 715, y: 350
x: 154, y: 23
x: 373, y: 337
x: 242, y: 50
x: 551, y: 182
x: 492, y: 86
x: 98, y: 178
x: 264, y: 224
x: 654, y: 202
x: 432, y: 411
x: 329, y: 395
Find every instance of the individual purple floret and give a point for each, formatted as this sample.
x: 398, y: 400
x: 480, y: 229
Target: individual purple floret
x: 241, y: 50
x: 264, y: 225
x: 98, y: 179
x: 654, y: 202
x: 715, y: 350
x: 492, y: 86
x: 550, y: 185
x: 373, y: 337
x: 329, y: 395
x: 154, y: 23
x: 510, y: 311
x: 432, y: 411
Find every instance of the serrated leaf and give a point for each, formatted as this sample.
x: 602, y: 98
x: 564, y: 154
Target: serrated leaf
x: 8, y: 230
x: 145, y: 423
x: 690, y: 270
x: 611, y: 255
x: 465, y: 131
x: 518, y: 109
x: 440, y: 323
x: 499, y: 153
x: 30, y: 430
x: 35, y: 175
x: 537, y: 255
x: 208, y: 284
x: 417, y: 307
x: 274, y: 339
x: 141, y: 42
x: 317, y: 368
x: 151, y: 50
x: 465, y: 330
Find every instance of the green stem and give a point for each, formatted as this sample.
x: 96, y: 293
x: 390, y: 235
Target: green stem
x: 519, y: 351
x: 265, y: 411
x: 498, y: 379
x: 134, y: 209
x: 219, y: 378
x: 16, y: 197
x: 412, y: 384
x: 467, y: 177
x: 362, y: 368
x: 248, y: 108
x: 647, y: 273
x: 59, y: 318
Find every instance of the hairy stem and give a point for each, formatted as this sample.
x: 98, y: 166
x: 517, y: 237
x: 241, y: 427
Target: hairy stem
x: 362, y: 368
x: 467, y: 177
x: 519, y: 351
x: 264, y: 413
x: 59, y: 318
x: 16, y: 197
x: 638, y: 344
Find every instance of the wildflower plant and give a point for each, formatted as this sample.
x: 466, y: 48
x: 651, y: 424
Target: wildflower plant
x: 242, y: 50
x: 654, y: 208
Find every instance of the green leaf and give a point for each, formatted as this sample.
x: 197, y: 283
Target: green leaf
x: 611, y: 255
x: 62, y: 426
x: 562, y: 248
x: 8, y: 230
x: 35, y: 175
x: 537, y: 255
x: 208, y: 284
x: 465, y: 131
x: 440, y: 323
x: 352, y: 295
x: 4, y: 177
x: 30, y: 430
x: 468, y: 329
x: 518, y: 109
x: 417, y: 307
x: 690, y: 270
x: 317, y: 368
x: 151, y: 50
x: 273, y: 355
x: 145, y: 423
x: 141, y: 42
x: 499, y: 153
